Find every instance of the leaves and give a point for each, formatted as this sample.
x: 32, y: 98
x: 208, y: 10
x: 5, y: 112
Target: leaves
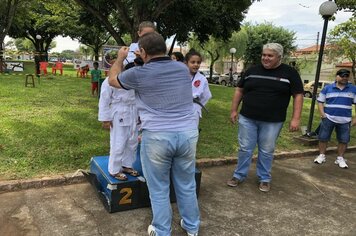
x: 258, y: 35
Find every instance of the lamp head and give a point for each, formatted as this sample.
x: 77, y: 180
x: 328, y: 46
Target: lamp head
x: 232, y: 50
x: 38, y: 36
x: 327, y: 9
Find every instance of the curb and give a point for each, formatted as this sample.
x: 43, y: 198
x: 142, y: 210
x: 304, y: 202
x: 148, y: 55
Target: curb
x: 78, y: 177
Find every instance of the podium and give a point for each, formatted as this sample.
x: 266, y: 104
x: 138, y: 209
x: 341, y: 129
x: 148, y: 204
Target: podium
x: 119, y: 195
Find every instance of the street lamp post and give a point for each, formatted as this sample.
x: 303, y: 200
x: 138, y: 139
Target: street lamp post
x: 326, y: 9
x: 38, y: 57
x: 232, y: 52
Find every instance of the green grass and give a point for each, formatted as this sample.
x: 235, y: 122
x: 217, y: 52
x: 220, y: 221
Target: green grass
x: 53, y: 128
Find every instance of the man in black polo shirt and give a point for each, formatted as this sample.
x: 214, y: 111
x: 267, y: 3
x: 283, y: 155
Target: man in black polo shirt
x: 265, y: 93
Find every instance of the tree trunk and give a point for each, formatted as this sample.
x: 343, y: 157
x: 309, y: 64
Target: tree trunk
x: 7, y: 17
x: 212, y: 62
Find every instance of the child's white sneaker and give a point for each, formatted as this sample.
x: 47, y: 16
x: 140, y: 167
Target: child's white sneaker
x: 320, y: 159
x: 341, y: 162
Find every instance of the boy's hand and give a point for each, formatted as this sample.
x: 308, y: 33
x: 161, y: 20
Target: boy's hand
x: 107, y: 125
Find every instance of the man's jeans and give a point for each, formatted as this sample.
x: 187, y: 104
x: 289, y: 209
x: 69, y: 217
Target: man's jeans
x: 264, y: 134
x: 165, y: 156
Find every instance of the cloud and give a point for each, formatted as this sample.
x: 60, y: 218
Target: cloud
x: 300, y: 16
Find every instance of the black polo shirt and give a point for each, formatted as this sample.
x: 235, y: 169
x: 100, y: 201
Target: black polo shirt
x: 267, y: 92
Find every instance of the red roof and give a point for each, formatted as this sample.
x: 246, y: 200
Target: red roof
x: 313, y: 48
x: 344, y: 64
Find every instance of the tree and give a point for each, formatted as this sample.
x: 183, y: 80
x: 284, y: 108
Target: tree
x: 173, y: 17
x: 348, y: 5
x: 7, y: 12
x: 40, y: 22
x: 90, y: 32
x: 216, y: 49
x: 204, y: 18
x: 238, y: 40
x: 67, y: 54
x: 209, y: 49
x: 344, y: 36
x: 24, y: 45
x: 260, y: 34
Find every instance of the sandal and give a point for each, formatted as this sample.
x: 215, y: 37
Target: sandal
x: 130, y: 171
x: 119, y: 176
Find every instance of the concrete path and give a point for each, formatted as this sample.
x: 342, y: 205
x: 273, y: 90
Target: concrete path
x: 305, y: 199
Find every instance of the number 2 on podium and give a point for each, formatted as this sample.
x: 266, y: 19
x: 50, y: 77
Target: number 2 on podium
x: 126, y: 199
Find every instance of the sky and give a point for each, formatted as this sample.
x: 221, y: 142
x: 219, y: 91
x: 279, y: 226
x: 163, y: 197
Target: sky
x: 300, y: 16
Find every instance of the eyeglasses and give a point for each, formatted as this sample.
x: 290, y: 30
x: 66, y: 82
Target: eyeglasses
x: 344, y: 75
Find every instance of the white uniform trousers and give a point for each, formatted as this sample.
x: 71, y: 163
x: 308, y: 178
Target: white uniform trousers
x: 123, y: 145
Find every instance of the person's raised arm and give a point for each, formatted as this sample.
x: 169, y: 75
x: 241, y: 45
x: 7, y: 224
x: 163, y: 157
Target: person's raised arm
x: 117, y: 67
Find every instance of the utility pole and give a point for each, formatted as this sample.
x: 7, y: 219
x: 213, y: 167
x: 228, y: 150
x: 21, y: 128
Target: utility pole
x: 317, y: 42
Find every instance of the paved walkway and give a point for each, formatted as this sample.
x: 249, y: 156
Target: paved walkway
x: 305, y: 199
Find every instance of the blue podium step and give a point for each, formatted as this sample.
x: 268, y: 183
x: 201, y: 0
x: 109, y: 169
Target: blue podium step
x: 119, y: 195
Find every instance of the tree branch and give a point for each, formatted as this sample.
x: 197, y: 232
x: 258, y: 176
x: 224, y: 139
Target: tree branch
x: 163, y: 5
x: 116, y: 35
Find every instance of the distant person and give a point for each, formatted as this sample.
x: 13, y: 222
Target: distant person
x: 335, y: 107
x: 95, y: 78
x: 169, y: 132
x: 84, y: 71
x: 200, y: 85
x: 265, y: 92
x: 118, y: 113
x: 177, y: 56
x: 134, y: 52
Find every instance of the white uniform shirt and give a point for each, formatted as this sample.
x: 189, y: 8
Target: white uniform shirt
x: 200, y: 89
x: 131, y: 56
x: 119, y: 102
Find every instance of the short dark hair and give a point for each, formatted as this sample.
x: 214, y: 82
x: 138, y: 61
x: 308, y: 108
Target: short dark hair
x: 179, y: 56
x: 153, y: 43
x: 192, y: 52
x: 343, y: 72
x: 95, y: 63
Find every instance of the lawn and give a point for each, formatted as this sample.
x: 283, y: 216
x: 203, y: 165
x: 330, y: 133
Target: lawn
x: 53, y: 128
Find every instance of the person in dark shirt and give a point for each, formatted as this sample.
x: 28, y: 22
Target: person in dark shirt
x: 265, y: 92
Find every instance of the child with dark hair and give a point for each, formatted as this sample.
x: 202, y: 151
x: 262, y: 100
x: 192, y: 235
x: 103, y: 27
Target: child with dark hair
x: 95, y: 77
x: 177, y: 56
x: 200, y: 86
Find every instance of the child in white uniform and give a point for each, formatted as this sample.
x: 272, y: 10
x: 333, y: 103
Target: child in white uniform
x: 117, y: 111
x: 144, y: 28
x: 200, y: 86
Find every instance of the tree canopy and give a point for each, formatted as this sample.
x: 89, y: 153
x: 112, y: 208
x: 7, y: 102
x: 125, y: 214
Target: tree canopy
x: 260, y: 34
x: 38, y: 22
x: 348, y: 5
x: 203, y: 17
x: 344, y: 36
